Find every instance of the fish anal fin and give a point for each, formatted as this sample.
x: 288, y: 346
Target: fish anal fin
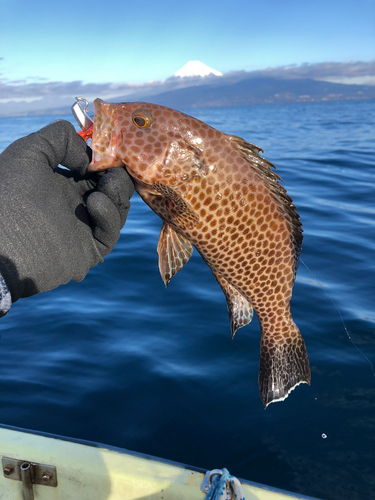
x: 282, y: 366
x: 239, y: 308
x: 177, y: 210
x: 174, y: 252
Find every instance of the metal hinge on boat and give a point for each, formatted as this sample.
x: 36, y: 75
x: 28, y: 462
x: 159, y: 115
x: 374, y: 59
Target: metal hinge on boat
x: 29, y: 473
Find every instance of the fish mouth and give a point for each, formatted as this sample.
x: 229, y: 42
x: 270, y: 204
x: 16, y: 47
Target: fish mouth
x: 104, y: 138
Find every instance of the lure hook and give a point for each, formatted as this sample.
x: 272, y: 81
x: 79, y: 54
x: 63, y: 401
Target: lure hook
x: 79, y: 110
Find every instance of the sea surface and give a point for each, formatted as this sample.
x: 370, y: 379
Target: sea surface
x: 120, y: 360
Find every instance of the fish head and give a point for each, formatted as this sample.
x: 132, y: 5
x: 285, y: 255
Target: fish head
x: 155, y: 144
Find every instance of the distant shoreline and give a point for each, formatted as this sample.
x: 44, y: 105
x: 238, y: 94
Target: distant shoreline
x: 66, y: 110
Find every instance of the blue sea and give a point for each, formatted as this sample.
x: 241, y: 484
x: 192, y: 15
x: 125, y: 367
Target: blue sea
x: 120, y: 360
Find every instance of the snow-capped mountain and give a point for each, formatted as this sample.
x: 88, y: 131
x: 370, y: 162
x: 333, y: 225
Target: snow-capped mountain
x: 196, y: 68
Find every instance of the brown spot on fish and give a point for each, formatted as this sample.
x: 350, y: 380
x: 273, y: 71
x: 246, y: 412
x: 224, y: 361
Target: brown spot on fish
x: 215, y: 192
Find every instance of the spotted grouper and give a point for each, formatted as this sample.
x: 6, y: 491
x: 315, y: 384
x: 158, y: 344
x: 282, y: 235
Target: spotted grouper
x: 216, y: 192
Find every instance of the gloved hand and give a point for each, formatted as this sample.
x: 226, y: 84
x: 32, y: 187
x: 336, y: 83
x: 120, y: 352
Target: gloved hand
x: 56, y: 224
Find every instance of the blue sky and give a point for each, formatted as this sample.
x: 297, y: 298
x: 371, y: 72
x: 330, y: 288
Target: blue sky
x: 52, y: 52
x: 139, y: 41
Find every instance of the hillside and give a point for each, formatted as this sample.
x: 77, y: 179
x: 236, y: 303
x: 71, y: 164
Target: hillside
x: 250, y: 91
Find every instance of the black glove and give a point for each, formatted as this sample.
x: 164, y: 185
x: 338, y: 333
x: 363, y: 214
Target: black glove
x: 56, y: 224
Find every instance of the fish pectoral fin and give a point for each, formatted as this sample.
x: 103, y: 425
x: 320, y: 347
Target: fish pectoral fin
x: 282, y: 366
x: 179, y: 212
x: 239, y: 308
x: 174, y: 252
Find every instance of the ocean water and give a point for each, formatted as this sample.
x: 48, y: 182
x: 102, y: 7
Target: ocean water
x: 121, y: 360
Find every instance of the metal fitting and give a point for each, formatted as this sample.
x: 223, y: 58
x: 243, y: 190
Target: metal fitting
x: 47, y: 477
x: 8, y: 470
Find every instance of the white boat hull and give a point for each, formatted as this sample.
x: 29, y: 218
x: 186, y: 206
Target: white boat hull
x: 87, y: 471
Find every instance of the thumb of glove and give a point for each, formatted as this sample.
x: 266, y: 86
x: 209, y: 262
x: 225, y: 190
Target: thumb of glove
x: 108, y: 207
x: 105, y: 221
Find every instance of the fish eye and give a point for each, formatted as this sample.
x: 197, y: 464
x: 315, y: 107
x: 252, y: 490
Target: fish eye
x: 142, y: 119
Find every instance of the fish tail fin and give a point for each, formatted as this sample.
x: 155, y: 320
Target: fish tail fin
x: 283, y: 365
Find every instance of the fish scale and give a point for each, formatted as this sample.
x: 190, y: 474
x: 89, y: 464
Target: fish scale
x: 214, y: 191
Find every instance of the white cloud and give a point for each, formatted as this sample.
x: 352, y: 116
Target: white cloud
x: 20, y: 99
x: 349, y: 72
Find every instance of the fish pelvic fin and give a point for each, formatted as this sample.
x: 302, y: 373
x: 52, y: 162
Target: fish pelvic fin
x: 239, y: 308
x: 282, y: 367
x: 174, y: 252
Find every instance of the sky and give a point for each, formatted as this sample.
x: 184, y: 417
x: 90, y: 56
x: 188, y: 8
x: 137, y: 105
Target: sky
x: 115, y: 42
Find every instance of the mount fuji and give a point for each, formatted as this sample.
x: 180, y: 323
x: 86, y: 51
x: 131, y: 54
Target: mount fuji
x: 196, y: 68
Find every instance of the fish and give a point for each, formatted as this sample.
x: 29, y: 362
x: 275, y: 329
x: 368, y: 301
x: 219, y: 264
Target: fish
x: 215, y: 192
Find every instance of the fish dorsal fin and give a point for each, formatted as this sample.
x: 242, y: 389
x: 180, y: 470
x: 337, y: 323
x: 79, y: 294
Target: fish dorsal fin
x: 174, y: 252
x: 177, y: 210
x: 263, y: 168
x: 239, y: 308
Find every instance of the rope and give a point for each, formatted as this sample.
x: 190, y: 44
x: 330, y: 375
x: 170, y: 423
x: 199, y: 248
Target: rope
x: 220, y: 485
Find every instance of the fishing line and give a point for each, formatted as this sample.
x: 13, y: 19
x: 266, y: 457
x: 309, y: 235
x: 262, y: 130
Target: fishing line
x: 342, y: 319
